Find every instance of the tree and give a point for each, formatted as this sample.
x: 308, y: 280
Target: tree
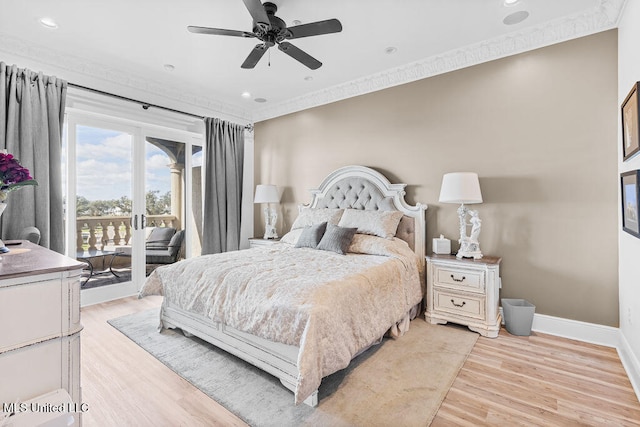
x: 156, y: 204
x: 82, y: 206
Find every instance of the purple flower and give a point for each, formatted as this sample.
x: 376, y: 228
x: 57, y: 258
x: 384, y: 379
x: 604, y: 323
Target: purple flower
x: 12, y: 174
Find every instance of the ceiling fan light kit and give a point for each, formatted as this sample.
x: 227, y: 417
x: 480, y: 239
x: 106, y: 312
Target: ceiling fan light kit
x: 271, y: 31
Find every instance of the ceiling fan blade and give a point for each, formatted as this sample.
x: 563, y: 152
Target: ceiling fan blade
x: 300, y: 55
x: 259, y: 15
x: 314, y: 29
x: 255, y: 55
x: 219, y: 31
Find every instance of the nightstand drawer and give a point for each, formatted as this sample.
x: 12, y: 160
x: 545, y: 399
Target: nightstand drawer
x: 257, y: 241
x: 458, y: 278
x: 460, y: 304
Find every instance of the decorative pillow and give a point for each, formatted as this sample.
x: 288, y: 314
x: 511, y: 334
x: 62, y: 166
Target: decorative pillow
x: 292, y: 236
x: 160, y: 237
x: 337, y: 239
x: 311, y: 236
x: 377, y: 223
x: 374, y: 245
x: 310, y: 216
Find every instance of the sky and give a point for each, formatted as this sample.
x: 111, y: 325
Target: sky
x: 104, y: 165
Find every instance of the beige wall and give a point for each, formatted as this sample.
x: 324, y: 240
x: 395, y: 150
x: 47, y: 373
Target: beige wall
x: 539, y: 128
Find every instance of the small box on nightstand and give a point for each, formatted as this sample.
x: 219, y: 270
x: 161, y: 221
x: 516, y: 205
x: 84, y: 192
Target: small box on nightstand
x: 441, y: 246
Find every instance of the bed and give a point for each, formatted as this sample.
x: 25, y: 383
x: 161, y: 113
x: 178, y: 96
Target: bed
x: 303, y: 308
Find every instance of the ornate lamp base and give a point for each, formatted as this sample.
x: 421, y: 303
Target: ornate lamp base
x: 271, y: 216
x: 469, y: 246
x: 469, y: 250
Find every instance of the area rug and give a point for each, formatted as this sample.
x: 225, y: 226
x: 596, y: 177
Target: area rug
x: 398, y: 382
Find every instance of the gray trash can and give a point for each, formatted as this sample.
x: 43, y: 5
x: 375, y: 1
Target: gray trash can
x: 518, y: 315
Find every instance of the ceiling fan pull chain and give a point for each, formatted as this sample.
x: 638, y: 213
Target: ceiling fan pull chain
x: 269, y: 63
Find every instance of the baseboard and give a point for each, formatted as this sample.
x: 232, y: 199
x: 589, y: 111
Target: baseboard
x: 607, y: 336
x: 576, y: 330
x: 102, y: 294
x: 630, y: 363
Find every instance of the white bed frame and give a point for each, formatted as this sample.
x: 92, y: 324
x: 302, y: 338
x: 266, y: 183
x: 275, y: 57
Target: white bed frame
x: 279, y: 359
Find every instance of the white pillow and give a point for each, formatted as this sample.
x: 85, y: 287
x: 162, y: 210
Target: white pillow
x: 377, y: 223
x: 309, y: 217
x: 292, y: 236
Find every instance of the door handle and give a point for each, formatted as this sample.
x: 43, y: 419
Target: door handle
x: 135, y: 222
x: 143, y: 223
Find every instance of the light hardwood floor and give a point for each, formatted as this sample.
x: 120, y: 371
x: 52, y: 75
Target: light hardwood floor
x: 539, y: 380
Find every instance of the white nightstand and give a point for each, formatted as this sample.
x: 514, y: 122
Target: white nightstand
x: 464, y: 291
x: 259, y: 241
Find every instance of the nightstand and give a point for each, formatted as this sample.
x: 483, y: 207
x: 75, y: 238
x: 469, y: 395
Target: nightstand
x: 259, y: 241
x: 464, y: 291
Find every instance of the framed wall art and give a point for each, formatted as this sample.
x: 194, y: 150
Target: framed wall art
x: 630, y: 187
x: 630, y: 124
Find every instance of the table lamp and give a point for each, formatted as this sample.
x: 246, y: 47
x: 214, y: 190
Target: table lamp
x: 267, y: 194
x: 464, y: 188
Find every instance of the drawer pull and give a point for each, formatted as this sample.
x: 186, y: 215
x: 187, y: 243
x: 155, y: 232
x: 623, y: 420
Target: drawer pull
x: 457, y: 305
x: 457, y: 280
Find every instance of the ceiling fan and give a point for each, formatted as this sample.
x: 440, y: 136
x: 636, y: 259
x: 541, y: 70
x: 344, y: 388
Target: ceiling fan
x: 271, y: 30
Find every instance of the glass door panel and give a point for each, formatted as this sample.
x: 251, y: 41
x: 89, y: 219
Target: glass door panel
x: 165, y: 185
x: 103, y: 206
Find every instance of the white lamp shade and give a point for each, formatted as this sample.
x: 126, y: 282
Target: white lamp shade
x: 266, y: 193
x: 460, y: 187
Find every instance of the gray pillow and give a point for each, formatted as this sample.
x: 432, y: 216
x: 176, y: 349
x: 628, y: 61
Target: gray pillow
x: 311, y: 236
x: 337, y: 239
x: 160, y: 237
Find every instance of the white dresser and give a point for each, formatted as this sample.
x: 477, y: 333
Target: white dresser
x: 39, y: 324
x: 464, y: 291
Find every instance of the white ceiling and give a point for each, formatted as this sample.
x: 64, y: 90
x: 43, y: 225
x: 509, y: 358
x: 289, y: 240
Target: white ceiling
x: 121, y: 46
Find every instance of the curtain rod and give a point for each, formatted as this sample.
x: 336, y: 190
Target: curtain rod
x: 145, y: 105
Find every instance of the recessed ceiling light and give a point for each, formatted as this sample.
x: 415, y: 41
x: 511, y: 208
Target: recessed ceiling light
x: 308, y: 78
x: 169, y: 67
x: 391, y: 50
x: 515, y: 17
x: 48, y: 23
x: 260, y: 100
x: 246, y: 94
x: 511, y: 2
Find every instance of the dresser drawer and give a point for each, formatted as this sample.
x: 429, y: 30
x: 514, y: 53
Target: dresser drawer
x: 460, y: 304
x: 38, y: 368
x: 468, y: 280
x: 30, y: 313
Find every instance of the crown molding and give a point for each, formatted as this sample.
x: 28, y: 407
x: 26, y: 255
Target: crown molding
x: 603, y: 17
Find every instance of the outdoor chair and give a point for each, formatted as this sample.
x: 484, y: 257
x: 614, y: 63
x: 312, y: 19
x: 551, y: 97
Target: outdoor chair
x: 163, y: 246
x: 32, y: 234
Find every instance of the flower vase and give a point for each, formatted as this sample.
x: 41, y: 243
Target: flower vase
x: 3, y: 248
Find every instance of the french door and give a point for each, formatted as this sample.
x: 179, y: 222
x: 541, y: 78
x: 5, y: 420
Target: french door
x: 122, y: 181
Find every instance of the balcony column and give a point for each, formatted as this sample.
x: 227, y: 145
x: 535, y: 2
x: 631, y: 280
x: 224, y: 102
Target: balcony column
x: 176, y: 170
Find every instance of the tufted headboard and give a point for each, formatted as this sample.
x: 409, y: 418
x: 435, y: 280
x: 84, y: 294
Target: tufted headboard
x: 360, y: 187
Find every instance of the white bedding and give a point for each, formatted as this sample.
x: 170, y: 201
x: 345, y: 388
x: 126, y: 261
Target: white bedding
x: 331, y: 306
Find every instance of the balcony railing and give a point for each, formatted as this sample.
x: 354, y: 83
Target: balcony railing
x: 96, y: 232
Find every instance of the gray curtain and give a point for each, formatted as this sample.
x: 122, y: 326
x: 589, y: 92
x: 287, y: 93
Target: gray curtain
x: 31, y: 120
x: 223, y: 163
